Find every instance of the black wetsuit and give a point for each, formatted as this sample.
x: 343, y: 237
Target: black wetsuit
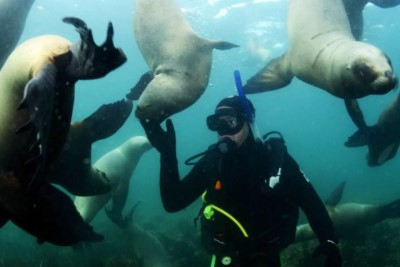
x: 268, y: 214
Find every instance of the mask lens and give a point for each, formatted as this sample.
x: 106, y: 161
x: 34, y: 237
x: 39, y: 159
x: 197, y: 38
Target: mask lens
x: 225, y: 124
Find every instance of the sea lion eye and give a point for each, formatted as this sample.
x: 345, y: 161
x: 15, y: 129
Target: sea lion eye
x: 364, y: 73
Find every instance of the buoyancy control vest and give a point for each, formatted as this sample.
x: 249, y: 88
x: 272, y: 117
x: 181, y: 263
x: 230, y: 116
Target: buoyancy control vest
x: 223, y: 228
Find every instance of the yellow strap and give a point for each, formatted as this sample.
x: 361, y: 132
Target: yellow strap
x: 231, y: 218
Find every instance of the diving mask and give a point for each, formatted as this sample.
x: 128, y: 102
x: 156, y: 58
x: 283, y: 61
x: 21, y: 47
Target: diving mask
x: 226, y: 121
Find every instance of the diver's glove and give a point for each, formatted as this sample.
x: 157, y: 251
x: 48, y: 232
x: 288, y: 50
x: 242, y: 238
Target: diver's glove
x: 332, y: 253
x: 163, y: 141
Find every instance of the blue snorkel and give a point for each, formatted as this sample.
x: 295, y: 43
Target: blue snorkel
x: 250, y: 116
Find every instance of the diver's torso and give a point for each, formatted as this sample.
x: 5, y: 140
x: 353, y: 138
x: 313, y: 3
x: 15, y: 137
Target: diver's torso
x: 262, y: 202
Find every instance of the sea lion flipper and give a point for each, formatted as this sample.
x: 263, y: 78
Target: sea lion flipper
x: 222, y: 45
x: 98, y: 60
x: 336, y: 195
x: 385, y: 4
x: 107, y: 119
x: 116, y: 217
x: 274, y: 75
x: 38, y: 98
x: 140, y: 86
x: 360, y: 137
x: 50, y: 217
x: 390, y: 210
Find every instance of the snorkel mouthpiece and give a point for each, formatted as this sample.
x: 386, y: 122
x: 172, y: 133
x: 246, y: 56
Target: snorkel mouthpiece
x: 225, y: 145
x: 245, y: 102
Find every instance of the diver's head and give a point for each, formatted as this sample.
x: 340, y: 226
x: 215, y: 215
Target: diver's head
x: 230, y: 120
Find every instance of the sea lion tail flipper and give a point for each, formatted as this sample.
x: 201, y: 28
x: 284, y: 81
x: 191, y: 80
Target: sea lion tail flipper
x: 98, y: 60
x: 140, y: 86
x: 108, y: 119
x: 385, y: 4
x: 336, y: 195
x: 391, y: 210
x: 275, y: 75
x: 51, y: 217
x: 82, y: 29
x: 38, y: 98
x: 116, y: 217
x: 360, y: 137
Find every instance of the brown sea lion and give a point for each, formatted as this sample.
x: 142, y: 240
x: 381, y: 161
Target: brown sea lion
x: 354, y: 10
x: 179, y: 59
x: 13, y: 14
x: 36, y: 100
x: 73, y: 167
x: 383, y: 138
x: 348, y: 218
x: 323, y: 52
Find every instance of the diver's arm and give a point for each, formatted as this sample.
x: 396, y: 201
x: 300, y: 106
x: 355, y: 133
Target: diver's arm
x: 175, y: 194
x: 315, y: 211
x: 312, y: 205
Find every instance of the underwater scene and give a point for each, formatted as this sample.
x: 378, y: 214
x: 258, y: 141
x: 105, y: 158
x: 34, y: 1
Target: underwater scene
x: 317, y: 126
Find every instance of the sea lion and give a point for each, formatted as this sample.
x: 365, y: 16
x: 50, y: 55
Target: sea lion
x: 354, y: 10
x: 147, y: 249
x: 73, y: 168
x: 36, y: 101
x: 348, y: 218
x: 179, y: 59
x: 383, y: 138
x: 13, y: 14
x: 118, y: 165
x: 323, y: 52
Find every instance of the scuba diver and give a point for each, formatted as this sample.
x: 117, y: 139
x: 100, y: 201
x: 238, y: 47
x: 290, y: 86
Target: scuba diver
x: 252, y: 191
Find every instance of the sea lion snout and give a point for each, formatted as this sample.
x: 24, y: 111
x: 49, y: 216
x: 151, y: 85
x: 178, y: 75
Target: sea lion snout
x: 384, y: 83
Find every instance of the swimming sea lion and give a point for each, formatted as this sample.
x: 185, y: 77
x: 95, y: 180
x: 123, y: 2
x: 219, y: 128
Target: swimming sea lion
x: 147, y: 248
x: 73, y: 167
x: 354, y: 10
x: 383, y: 138
x: 118, y: 165
x: 13, y: 14
x: 179, y: 59
x: 323, y: 52
x: 36, y: 101
x: 348, y: 218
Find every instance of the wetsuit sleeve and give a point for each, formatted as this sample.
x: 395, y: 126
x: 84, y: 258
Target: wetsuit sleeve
x: 313, y: 207
x: 177, y: 194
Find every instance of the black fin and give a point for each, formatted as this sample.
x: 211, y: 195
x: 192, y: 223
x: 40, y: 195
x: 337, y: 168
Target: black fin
x: 140, y: 86
x: 94, y: 61
x: 336, y: 195
x: 51, y: 217
x: 391, y: 210
x: 83, y: 30
x: 38, y: 99
x: 118, y: 219
x: 108, y: 119
x: 222, y: 45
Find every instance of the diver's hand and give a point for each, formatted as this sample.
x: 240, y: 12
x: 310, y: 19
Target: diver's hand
x: 332, y: 253
x: 163, y: 141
